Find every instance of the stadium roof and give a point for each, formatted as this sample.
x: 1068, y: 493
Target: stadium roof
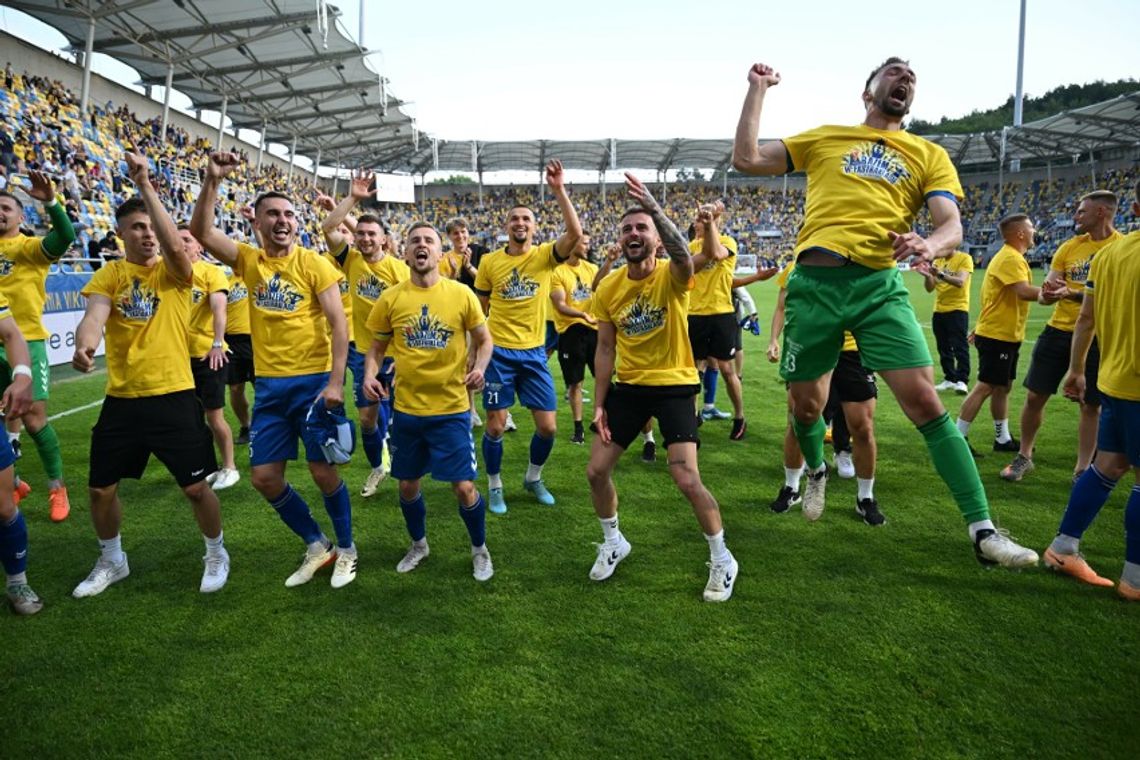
x: 284, y: 63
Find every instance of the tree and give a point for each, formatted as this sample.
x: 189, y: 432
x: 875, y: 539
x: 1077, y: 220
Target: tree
x: 454, y: 179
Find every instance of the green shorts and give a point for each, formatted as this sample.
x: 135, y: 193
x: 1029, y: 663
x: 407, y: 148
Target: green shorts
x: 41, y: 370
x: 873, y: 304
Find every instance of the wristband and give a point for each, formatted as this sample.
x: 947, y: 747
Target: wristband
x: 219, y: 344
x: 51, y: 203
x: 22, y: 369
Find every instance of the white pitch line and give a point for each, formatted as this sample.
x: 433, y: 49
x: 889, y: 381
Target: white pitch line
x: 83, y: 408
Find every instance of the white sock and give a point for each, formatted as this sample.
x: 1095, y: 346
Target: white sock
x: 214, y: 546
x: 610, y: 529
x: 13, y: 437
x: 17, y: 579
x: 322, y: 544
x: 963, y: 427
x: 1001, y: 431
x: 495, y: 481
x: 866, y: 488
x: 792, y: 476
x: 112, y: 549
x: 1063, y: 544
x: 533, y: 472
x: 480, y: 549
x: 978, y: 526
x: 647, y: 437
x: 718, y: 552
x: 710, y: 406
x: 350, y: 550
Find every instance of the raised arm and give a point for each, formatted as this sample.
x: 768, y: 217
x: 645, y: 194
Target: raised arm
x: 202, y: 221
x: 62, y: 234
x: 748, y: 156
x: 573, y: 233
x: 358, y: 191
x: 613, y: 253
x: 680, y: 262
x: 173, y: 249
x: 711, y: 248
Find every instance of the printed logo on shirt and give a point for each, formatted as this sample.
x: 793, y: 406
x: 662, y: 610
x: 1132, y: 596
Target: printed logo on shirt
x: 518, y: 287
x: 238, y: 292
x: 641, y: 317
x: 876, y: 161
x: 426, y: 331
x: 370, y: 287
x: 276, y: 295
x: 581, y: 291
x: 140, y: 303
x: 6, y: 266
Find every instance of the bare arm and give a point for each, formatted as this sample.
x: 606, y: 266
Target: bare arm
x: 334, y: 312
x: 90, y: 332
x: 174, y: 250
x: 485, y: 302
x: 777, y: 327
x: 943, y: 240
x: 483, y: 347
x: 573, y: 233
x: 373, y: 388
x: 1084, y: 331
x: 217, y: 354
x: 558, y: 298
x: 711, y: 247
x: 603, y: 376
x: 202, y: 221
x: 17, y: 398
x: 612, y: 254
x: 680, y: 262
x: 356, y: 192
x: 757, y: 276
x: 1025, y: 291
x: 748, y: 156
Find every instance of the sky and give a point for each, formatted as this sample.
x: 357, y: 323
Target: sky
x: 594, y: 69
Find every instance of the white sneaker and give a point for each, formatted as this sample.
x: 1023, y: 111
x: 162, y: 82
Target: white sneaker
x: 224, y: 478
x: 212, y: 477
x: 510, y: 426
x: 481, y: 560
x: 961, y: 388
x: 995, y: 547
x: 844, y: 465
x: 609, y: 555
x: 476, y: 420
x: 310, y: 564
x: 945, y: 385
x: 814, y: 491
x: 104, y: 574
x: 344, y: 571
x: 373, y: 481
x: 217, y: 571
x: 722, y: 578
x: 417, y: 553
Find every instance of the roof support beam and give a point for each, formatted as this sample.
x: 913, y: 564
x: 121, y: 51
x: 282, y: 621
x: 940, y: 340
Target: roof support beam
x: 269, y: 65
x: 283, y: 20
x: 292, y: 94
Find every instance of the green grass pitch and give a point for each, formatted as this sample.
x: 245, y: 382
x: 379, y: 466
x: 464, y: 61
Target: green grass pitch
x: 840, y: 640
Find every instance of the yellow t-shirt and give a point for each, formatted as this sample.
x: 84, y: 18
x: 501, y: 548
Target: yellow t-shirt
x: 208, y: 278
x: 863, y: 183
x: 650, y: 318
x: 450, y: 264
x: 367, y: 282
x: 1114, y: 280
x: 5, y: 309
x: 519, y: 288
x: 288, y: 328
x: 345, y: 295
x: 147, y: 350
x: 1003, y: 314
x: 237, y: 304
x: 849, y: 343
x: 712, y: 293
x: 427, y: 329
x: 1072, y: 260
x: 23, y: 270
x: 947, y: 297
x: 577, y: 283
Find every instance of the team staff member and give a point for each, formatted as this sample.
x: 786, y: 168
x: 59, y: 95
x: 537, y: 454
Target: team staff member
x: 425, y: 322
x: 24, y: 263
x: 949, y: 280
x: 571, y: 290
x: 462, y: 263
x: 300, y: 340
x: 144, y: 302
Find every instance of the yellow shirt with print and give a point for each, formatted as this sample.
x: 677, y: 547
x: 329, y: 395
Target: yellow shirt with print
x: 208, y: 278
x: 947, y: 297
x: 577, y: 283
x: 1004, y: 314
x: 145, y: 339
x: 367, y: 281
x: 849, y: 343
x: 427, y: 332
x: 712, y: 293
x: 519, y: 289
x: 5, y: 309
x: 1114, y: 280
x: 345, y: 295
x: 237, y: 304
x: 288, y: 328
x: 651, y: 322
x: 863, y: 183
x: 23, y: 271
x: 1072, y: 260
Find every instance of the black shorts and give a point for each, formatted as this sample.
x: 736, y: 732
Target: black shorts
x: 739, y: 336
x: 170, y: 426
x: 209, y: 384
x: 997, y: 360
x: 629, y: 407
x: 1050, y: 363
x: 713, y: 336
x: 576, y: 348
x: 851, y: 382
x: 240, y: 367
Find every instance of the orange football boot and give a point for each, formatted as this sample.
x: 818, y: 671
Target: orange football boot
x: 59, y: 505
x: 1075, y: 565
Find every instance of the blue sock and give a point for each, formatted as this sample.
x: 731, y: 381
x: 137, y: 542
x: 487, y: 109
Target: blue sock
x: 539, y: 450
x: 14, y: 544
x: 475, y: 518
x: 373, y: 445
x: 340, y: 511
x: 294, y: 512
x: 1132, y: 527
x: 710, y: 379
x: 493, y: 454
x: 415, y: 516
x: 1089, y: 494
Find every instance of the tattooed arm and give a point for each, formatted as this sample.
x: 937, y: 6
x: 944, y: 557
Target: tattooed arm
x: 680, y: 262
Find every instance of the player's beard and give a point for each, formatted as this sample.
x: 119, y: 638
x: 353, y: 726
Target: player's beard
x: 884, y: 105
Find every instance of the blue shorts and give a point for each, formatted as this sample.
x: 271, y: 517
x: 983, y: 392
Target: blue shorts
x: 356, y: 367
x: 7, y: 455
x: 551, y: 336
x: 521, y: 370
x: 440, y: 444
x: 279, y: 408
x: 1119, y: 427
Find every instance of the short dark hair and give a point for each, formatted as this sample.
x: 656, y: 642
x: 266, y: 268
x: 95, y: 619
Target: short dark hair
x: 183, y: 226
x: 1010, y: 220
x: 267, y: 195
x: 370, y: 219
x: 633, y: 210
x: 875, y: 72
x: 130, y: 206
x: 456, y: 223
x: 1107, y: 197
x: 6, y: 194
x: 419, y: 225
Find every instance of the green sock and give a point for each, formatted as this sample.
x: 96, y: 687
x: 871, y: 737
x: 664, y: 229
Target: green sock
x: 47, y: 444
x: 955, y: 464
x: 810, y: 438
